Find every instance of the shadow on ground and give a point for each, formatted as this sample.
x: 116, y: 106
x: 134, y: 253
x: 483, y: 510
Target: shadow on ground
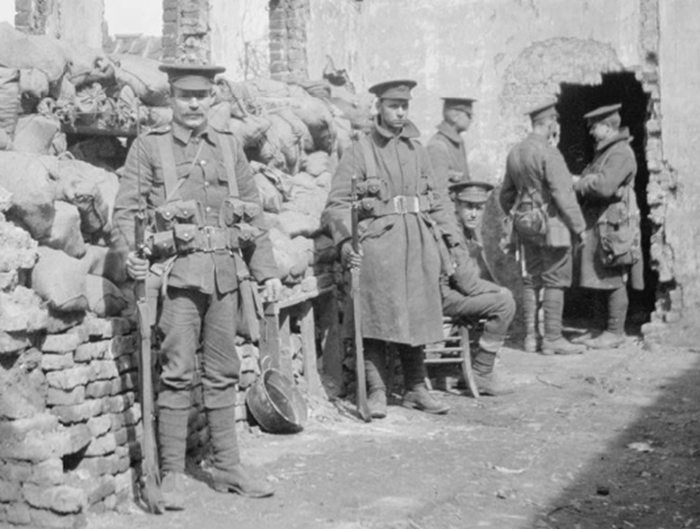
x: 649, y: 474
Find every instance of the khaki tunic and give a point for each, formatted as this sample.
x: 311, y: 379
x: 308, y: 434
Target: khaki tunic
x: 205, y: 181
x: 448, y: 156
x: 400, y: 272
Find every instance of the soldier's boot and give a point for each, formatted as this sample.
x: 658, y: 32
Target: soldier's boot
x: 487, y: 381
x: 531, y: 342
x: 614, y: 336
x: 417, y: 395
x: 375, y: 373
x: 554, y: 343
x: 172, y: 436
x: 228, y: 474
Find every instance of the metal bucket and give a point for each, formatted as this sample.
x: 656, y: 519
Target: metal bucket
x: 276, y: 404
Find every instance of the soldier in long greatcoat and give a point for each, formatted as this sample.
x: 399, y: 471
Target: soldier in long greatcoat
x: 448, y: 154
x: 606, y: 195
x: 400, y: 222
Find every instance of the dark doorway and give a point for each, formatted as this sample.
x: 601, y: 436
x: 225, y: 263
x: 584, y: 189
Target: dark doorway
x: 585, y: 307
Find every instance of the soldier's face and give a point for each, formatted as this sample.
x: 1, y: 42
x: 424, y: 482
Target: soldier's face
x: 190, y: 107
x: 462, y: 120
x: 599, y: 130
x: 393, y: 113
x: 470, y: 213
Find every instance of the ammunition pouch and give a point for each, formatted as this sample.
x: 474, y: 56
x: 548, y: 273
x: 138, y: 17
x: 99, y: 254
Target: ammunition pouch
x: 178, y: 212
x: 373, y: 188
x: 239, y: 217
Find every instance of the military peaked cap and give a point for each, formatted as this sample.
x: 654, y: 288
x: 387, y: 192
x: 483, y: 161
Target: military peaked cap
x: 399, y: 89
x: 191, y: 76
x: 473, y: 191
x: 603, y: 113
x: 543, y: 110
x: 459, y: 103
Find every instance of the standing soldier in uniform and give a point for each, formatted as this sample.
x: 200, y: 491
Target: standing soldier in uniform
x: 606, y: 194
x: 470, y: 294
x: 195, y: 184
x: 448, y: 155
x: 400, y: 260
x: 538, y: 189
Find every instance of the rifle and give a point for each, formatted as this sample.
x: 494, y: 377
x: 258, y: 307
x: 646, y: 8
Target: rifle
x: 150, y: 475
x: 362, y: 405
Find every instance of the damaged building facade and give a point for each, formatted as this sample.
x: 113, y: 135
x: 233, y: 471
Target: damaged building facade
x: 83, y: 425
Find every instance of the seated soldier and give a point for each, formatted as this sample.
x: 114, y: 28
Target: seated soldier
x: 470, y: 201
x: 467, y: 297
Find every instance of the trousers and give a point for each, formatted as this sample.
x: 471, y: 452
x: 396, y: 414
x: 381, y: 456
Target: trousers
x: 188, y: 315
x: 498, y: 308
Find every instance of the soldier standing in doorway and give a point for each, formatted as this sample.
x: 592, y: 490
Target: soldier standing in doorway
x: 611, y: 252
x: 199, y: 195
x: 448, y: 155
x: 402, y: 219
x: 538, y: 188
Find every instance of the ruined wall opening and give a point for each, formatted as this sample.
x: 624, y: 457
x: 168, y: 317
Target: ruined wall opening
x: 577, y: 146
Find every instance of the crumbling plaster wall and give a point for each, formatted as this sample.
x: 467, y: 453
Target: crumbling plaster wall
x: 77, y: 21
x: 679, y: 49
x: 335, y: 38
x: 453, y: 47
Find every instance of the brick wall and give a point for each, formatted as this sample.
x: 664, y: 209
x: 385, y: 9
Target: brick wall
x: 288, y: 39
x: 186, y: 30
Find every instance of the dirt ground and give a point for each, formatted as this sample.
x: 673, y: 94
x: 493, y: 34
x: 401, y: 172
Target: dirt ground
x: 608, y: 439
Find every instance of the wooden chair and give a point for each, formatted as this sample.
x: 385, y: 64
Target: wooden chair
x: 454, y: 349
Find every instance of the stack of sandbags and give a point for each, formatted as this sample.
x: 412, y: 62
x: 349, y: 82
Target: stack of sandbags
x: 65, y: 206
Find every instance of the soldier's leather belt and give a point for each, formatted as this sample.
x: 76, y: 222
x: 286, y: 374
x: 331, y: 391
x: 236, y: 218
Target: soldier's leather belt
x: 402, y: 205
x: 190, y: 238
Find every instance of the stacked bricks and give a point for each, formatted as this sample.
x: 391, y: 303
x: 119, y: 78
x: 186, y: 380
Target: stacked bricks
x: 186, y: 30
x: 288, y: 38
x: 69, y: 426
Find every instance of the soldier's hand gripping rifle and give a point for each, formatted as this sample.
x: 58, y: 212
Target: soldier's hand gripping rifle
x: 362, y: 405
x: 150, y: 475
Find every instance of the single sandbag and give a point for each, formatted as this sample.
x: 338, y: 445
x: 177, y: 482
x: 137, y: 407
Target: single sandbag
x: 10, y: 106
x: 19, y: 50
x: 65, y: 232
x: 318, y: 119
x: 304, y: 255
x: 295, y: 223
x: 281, y: 243
x: 33, y: 192
x: 103, y: 297
x: 269, y: 194
x: 33, y: 86
x: 283, y: 142
x: 60, y: 280
x: 38, y: 134
x: 92, y: 189
x: 250, y: 129
x: 144, y: 77
x: 95, y: 259
x: 317, y: 163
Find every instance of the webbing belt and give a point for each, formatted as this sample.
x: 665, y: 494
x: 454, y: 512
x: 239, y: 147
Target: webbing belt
x: 401, y: 205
